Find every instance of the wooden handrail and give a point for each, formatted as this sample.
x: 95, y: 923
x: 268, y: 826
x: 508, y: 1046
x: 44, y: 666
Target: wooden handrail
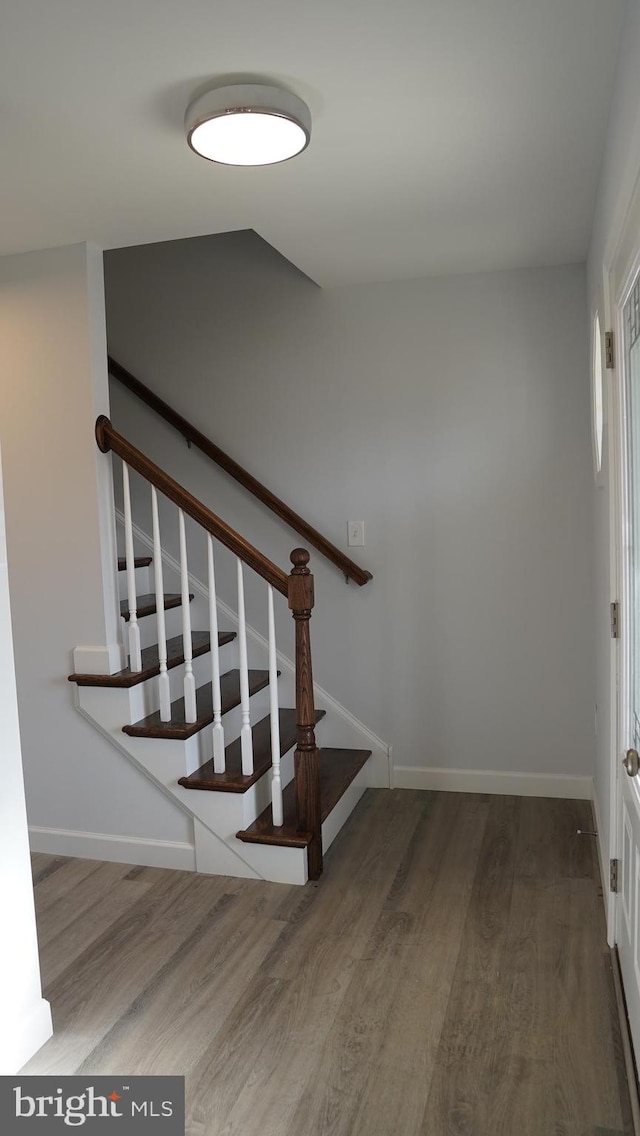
x: 351, y: 570
x: 109, y: 439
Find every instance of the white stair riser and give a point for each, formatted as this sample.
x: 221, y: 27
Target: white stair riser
x: 261, y: 861
x: 223, y: 813
x: 215, y: 857
x: 257, y: 656
x: 165, y: 759
x: 145, y: 696
x: 144, y: 582
x: 345, y: 806
x: 136, y: 702
x: 149, y: 627
x: 201, y: 749
x: 232, y: 721
x: 261, y: 791
x: 110, y: 707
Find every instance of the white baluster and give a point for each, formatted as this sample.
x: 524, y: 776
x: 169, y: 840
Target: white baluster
x: 190, y: 711
x: 163, y: 678
x: 135, y: 654
x: 246, y: 739
x: 276, y: 779
x: 218, y: 730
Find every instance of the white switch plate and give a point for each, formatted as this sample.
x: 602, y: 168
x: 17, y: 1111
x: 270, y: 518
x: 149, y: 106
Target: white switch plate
x: 355, y: 531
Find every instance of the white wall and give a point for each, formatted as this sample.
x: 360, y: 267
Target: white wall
x: 25, y: 1018
x: 52, y: 357
x: 452, y: 416
x: 621, y: 166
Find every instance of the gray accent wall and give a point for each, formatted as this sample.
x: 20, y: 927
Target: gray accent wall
x: 452, y: 416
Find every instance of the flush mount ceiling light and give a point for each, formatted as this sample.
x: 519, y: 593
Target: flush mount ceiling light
x: 248, y: 125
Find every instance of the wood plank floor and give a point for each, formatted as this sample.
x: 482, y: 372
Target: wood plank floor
x: 448, y: 976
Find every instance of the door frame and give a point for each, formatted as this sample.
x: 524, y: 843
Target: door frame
x: 620, y: 269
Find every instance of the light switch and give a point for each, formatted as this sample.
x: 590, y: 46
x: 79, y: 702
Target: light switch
x: 355, y: 530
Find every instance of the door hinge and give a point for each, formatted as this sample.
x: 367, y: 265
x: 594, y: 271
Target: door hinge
x: 614, y: 610
x: 609, y: 350
x: 614, y: 871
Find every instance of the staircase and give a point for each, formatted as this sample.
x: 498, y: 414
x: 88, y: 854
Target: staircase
x: 218, y: 719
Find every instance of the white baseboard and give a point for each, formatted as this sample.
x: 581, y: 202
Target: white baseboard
x: 21, y: 1039
x: 494, y: 781
x: 120, y: 849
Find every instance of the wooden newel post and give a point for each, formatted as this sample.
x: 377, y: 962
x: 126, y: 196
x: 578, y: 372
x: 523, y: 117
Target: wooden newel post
x: 307, y: 758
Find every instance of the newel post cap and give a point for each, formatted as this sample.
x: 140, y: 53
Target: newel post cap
x: 300, y: 558
x: 301, y: 597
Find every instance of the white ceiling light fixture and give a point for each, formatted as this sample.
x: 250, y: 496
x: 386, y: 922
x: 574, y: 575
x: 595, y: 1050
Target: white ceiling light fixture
x: 248, y: 124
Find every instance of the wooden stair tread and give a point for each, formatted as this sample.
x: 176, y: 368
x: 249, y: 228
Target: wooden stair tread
x: 139, y: 562
x: 150, y: 662
x: 177, y: 727
x: 338, y: 768
x: 147, y: 604
x: 233, y: 780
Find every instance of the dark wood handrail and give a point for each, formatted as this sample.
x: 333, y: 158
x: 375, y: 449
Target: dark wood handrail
x: 109, y: 439
x: 351, y: 570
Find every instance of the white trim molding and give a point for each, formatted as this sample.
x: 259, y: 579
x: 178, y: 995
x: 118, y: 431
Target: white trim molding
x: 118, y: 849
x: 106, y: 660
x: 494, y: 781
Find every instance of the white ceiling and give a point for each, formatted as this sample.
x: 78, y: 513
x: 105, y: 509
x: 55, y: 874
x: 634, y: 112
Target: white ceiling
x: 449, y: 135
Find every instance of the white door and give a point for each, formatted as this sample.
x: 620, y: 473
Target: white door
x: 628, y: 906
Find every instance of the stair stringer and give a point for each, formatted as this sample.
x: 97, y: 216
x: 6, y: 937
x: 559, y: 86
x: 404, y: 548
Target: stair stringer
x: 216, y: 817
x: 214, y: 853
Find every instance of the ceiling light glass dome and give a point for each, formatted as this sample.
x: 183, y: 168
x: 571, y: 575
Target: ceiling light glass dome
x: 248, y: 125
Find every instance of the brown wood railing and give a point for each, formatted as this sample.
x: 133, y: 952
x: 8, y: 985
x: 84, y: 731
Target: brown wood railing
x: 109, y: 439
x: 297, y: 587
x: 350, y: 569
